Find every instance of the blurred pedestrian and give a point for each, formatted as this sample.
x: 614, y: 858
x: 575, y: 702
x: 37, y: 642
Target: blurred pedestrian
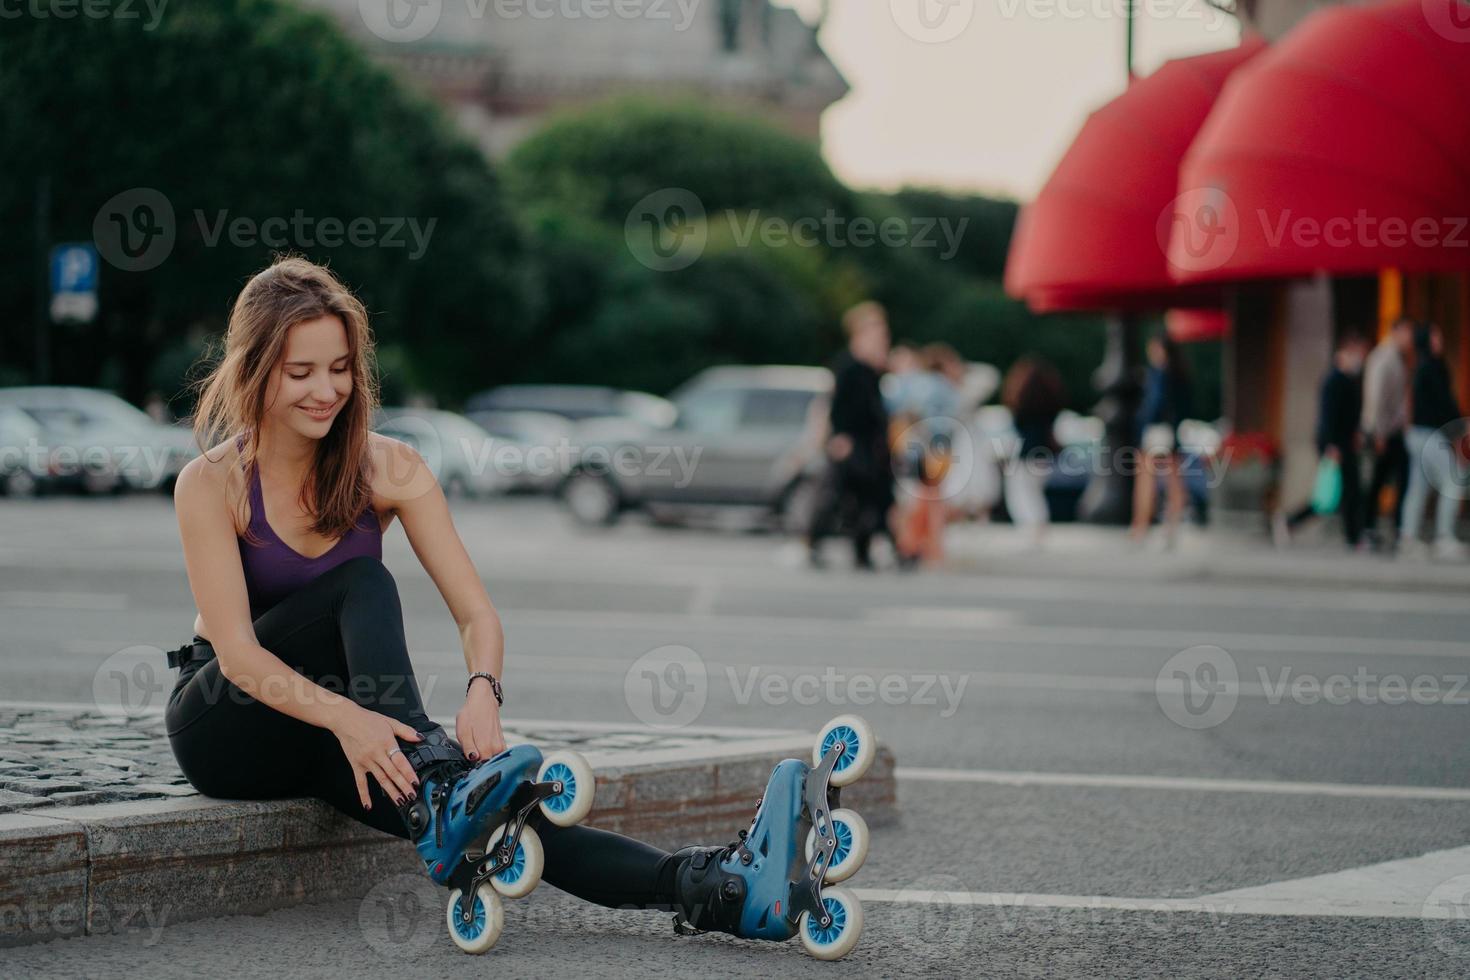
x: 924, y: 436
x: 1034, y: 393
x: 1385, y: 419
x: 858, y: 484
x: 1436, y: 427
x: 1339, y: 435
x: 1167, y: 401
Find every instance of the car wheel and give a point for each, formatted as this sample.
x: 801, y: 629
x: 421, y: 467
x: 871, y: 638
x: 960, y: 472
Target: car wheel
x: 20, y: 483
x: 592, y: 499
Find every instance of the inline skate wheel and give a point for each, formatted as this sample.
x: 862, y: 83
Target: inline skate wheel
x: 524, y: 872
x: 858, y: 751
x: 836, y: 939
x: 487, y: 918
x: 574, y: 802
x: 852, y: 845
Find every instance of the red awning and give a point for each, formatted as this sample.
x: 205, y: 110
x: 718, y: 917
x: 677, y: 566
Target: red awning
x: 1343, y: 149
x: 1090, y: 240
x: 1190, y: 326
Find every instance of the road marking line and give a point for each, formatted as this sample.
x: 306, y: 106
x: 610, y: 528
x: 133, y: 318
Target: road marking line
x: 1209, y: 905
x: 1190, y: 784
x: 110, y: 601
x: 1405, y: 881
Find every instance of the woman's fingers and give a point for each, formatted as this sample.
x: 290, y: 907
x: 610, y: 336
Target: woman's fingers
x: 360, y: 776
x: 406, y: 732
x: 398, y: 786
x: 399, y: 762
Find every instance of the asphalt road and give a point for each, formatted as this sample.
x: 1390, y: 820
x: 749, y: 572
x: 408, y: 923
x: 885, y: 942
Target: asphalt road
x: 1100, y: 777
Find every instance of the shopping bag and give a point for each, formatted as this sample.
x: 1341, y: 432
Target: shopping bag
x: 1327, y: 494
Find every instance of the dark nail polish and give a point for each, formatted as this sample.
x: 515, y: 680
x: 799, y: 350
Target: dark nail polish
x: 473, y: 757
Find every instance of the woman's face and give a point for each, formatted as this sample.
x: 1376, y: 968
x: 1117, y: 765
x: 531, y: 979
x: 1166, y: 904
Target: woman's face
x: 1436, y: 342
x: 314, y: 379
x: 1157, y: 356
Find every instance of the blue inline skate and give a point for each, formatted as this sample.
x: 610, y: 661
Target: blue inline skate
x: 770, y: 883
x: 468, y: 823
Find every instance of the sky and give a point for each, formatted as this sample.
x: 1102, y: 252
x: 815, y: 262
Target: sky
x: 986, y: 95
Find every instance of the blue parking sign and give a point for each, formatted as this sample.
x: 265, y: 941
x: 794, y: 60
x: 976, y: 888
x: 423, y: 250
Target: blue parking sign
x: 74, y: 282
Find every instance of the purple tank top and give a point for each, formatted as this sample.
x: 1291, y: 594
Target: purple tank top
x: 274, y: 570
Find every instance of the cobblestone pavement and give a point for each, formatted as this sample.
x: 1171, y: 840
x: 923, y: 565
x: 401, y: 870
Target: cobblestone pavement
x: 72, y: 758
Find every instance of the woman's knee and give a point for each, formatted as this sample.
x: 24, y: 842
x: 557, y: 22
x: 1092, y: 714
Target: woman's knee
x: 365, y: 574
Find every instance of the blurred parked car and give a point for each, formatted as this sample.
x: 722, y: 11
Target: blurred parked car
x: 742, y: 437
x: 546, y: 441
x: 575, y: 402
x: 461, y: 455
x: 95, y: 439
x: 22, y: 457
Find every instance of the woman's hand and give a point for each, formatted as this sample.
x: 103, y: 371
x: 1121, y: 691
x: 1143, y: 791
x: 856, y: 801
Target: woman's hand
x: 477, y: 726
x: 368, y: 740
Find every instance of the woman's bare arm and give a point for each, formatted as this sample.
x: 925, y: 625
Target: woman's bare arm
x: 403, y: 477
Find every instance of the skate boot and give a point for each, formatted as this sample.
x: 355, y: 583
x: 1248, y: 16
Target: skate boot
x: 468, y: 823
x: 769, y: 884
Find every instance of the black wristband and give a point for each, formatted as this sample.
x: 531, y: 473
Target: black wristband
x: 494, y: 685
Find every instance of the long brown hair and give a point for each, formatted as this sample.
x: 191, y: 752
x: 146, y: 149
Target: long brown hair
x: 232, y: 395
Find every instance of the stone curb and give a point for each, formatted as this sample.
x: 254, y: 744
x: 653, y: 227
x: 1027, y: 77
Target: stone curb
x: 87, y: 870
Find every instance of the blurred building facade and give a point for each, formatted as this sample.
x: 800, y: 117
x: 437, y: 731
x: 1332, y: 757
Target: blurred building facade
x: 1284, y: 331
x: 501, y: 66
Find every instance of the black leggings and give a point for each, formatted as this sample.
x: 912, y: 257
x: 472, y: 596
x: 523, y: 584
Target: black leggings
x: 344, y: 631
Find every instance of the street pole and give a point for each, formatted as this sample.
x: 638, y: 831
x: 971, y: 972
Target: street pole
x: 43, y: 280
x: 1108, y: 498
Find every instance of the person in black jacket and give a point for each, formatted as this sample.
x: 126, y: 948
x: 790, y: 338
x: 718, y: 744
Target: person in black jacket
x: 1435, y: 419
x: 859, y: 480
x: 1339, y: 433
